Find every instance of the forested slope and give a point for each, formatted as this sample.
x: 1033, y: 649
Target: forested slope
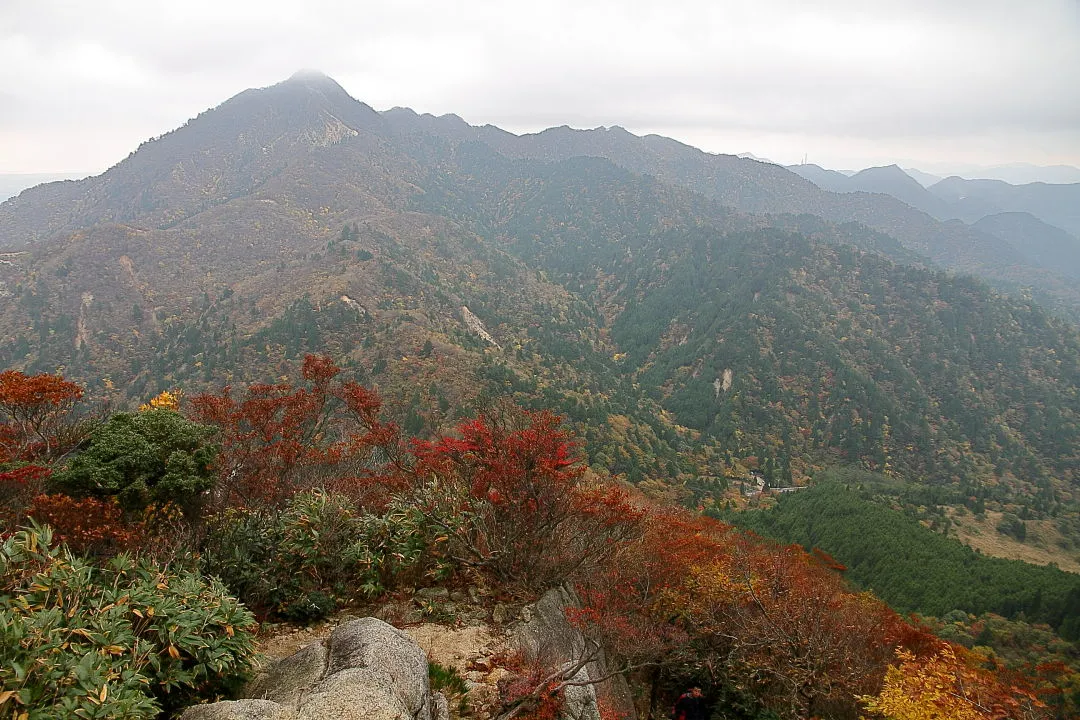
x: 913, y: 568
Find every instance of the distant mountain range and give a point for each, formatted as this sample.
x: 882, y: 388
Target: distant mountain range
x: 1053, y: 209
x: 1014, y: 174
x: 695, y: 315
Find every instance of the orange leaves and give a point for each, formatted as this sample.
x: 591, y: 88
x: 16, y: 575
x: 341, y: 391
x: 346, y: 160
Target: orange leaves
x: 827, y: 560
x: 788, y: 628
x: 86, y: 525
x: 19, y: 391
x: 17, y: 488
x: 37, y: 410
x: 774, y: 620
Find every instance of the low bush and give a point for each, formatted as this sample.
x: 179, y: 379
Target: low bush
x: 156, y: 456
x: 128, y: 639
x: 297, y: 562
x: 510, y: 496
x: 19, y: 484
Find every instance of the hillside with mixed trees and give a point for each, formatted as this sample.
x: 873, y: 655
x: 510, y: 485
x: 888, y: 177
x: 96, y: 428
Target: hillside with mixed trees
x: 143, y: 545
x: 684, y: 337
x: 703, y: 323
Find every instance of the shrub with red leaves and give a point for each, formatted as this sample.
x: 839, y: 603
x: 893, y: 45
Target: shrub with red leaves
x: 89, y: 526
x: 18, y: 486
x: 277, y: 440
x: 510, y: 495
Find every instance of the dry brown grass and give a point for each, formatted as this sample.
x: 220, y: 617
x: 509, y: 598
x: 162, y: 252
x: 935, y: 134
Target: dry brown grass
x: 1040, y: 547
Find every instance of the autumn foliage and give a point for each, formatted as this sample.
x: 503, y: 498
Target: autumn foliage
x: 762, y: 620
x: 36, y: 411
x: 277, y: 440
x: 505, y: 497
x: 18, y: 486
x: 949, y: 683
x: 509, y: 492
x: 87, y: 525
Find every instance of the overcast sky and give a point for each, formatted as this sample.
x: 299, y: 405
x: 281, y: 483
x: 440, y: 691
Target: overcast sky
x: 848, y: 83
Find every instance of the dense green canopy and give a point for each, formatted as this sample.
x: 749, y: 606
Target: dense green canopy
x: 141, y: 458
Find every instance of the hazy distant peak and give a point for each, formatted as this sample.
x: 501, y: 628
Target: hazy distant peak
x: 752, y: 156
x: 313, y: 81
x: 454, y: 119
x: 307, y: 75
x: 923, y: 178
x: 891, y: 171
x: 955, y: 181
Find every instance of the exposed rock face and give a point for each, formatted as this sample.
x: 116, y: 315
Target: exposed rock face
x: 369, y: 669
x: 545, y: 635
x: 240, y: 710
x: 365, y: 669
x: 475, y: 325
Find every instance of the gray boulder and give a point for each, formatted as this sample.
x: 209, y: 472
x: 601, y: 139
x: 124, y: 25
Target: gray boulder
x: 365, y: 669
x: 239, y: 710
x: 287, y: 681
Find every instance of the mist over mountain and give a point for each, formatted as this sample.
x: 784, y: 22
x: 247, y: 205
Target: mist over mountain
x: 1017, y: 173
x: 888, y: 180
x: 1040, y: 242
x: 923, y: 178
x: 694, y: 315
x: 973, y: 199
x: 1047, y: 239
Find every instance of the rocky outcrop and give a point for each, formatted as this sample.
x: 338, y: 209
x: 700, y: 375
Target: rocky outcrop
x: 545, y: 635
x: 476, y: 326
x: 370, y: 669
x: 365, y: 669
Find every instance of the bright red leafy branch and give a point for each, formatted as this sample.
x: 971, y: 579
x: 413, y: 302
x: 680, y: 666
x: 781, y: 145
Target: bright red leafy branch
x: 279, y: 439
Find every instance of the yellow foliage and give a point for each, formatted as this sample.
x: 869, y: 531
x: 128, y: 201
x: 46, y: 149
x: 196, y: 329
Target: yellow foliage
x: 166, y: 399
x: 924, y: 690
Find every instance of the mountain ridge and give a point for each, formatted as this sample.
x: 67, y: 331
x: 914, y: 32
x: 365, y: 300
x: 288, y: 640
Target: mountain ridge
x: 754, y: 187
x: 615, y: 296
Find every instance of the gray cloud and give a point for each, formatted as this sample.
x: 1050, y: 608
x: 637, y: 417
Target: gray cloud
x: 848, y: 82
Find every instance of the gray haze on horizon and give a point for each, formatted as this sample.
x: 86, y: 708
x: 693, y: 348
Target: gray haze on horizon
x: 847, y: 84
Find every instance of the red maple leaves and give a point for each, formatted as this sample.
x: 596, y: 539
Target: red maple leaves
x: 518, y: 484
x: 279, y: 439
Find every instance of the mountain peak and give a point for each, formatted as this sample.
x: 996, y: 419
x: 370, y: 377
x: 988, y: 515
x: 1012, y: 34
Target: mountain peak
x: 883, y: 171
x: 313, y: 80
x: 309, y: 75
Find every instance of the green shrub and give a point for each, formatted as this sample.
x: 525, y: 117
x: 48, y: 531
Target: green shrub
x: 128, y: 639
x: 156, y: 456
x: 397, y: 547
x: 240, y: 549
x: 308, y: 608
x: 297, y: 562
x: 290, y: 563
